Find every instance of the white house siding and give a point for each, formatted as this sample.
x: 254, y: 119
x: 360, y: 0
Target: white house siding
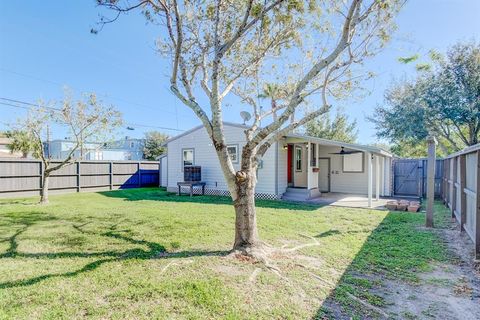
x: 282, y: 180
x: 206, y: 157
x: 163, y: 172
x: 346, y: 182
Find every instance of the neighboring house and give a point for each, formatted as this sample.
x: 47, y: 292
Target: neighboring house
x: 60, y: 149
x: 295, y: 164
x: 5, y: 151
x: 125, y: 149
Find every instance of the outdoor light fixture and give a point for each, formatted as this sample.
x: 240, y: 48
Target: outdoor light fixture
x: 285, y: 147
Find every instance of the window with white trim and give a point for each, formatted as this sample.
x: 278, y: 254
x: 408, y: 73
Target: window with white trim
x: 298, y: 158
x: 232, y: 150
x: 353, y: 162
x: 188, y: 157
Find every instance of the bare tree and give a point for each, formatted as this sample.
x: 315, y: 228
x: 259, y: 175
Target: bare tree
x: 313, y: 49
x: 84, y: 120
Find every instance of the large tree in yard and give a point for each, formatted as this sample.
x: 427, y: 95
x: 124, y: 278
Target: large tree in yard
x: 84, y: 120
x: 341, y: 128
x: 153, y: 147
x: 444, y: 100
x: 313, y: 50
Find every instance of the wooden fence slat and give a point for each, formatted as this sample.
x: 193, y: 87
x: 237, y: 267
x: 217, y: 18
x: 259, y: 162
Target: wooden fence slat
x: 463, y: 198
x: 477, y: 214
x: 454, y: 187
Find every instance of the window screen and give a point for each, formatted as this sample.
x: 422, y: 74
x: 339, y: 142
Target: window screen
x: 353, y: 162
x: 187, y: 157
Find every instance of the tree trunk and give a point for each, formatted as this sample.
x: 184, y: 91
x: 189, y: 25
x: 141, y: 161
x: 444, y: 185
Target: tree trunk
x: 246, y: 235
x: 44, y: 191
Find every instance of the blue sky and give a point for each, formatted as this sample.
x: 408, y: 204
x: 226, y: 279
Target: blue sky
x: 46, y: 45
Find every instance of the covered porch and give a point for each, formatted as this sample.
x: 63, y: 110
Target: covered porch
x: 337, y: 173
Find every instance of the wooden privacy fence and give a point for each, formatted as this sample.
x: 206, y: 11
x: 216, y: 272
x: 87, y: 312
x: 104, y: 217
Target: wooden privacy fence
x: 20, y: 177
x: 461, y: 191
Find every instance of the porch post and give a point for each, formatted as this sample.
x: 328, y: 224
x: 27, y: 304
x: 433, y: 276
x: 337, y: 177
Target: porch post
x: 309, y: 165
x: 370, y: 178
x: 377, y: 178
x: 382, y: 178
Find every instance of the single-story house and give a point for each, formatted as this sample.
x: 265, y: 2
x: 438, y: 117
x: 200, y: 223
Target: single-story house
x: 296, y: 165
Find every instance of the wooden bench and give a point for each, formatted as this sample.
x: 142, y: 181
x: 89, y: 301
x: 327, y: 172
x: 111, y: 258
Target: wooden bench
x: 190, y: 184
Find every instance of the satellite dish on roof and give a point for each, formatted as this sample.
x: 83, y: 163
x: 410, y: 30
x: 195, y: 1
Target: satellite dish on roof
x: 245, y: 116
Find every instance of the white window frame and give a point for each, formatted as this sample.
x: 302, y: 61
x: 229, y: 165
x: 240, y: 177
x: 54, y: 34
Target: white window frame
x: 298, y: 158
x: 236, y: 152
x: 354, y: 170
x: 183, y: 157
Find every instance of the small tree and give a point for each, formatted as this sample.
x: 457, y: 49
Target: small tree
x: 153, y: 145
x: 339, y: 129
x: 84, y: 119
x: 21, y: 141
x: 315, y: 49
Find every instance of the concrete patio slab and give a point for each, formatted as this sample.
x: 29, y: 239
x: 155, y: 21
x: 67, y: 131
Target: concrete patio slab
x: 352, y: 200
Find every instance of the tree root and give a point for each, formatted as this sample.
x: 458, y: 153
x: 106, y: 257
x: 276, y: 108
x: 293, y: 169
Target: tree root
x: 367, y: 305
x: 262, y: 253
x: 254, y: 274
x: 173, y: 263
x: 315, y: 242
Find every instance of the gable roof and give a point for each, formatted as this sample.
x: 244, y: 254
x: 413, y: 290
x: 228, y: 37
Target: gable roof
x: 225, y: 123
x: 354, y: 146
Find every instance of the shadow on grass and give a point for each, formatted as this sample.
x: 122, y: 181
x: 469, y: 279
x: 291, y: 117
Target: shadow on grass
x: 154, y: 251
x: 399, y: 248
x: 160, y: 194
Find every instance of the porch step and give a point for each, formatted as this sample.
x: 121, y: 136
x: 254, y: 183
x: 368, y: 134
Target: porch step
x: 298, y: 194
x: 297, y: 190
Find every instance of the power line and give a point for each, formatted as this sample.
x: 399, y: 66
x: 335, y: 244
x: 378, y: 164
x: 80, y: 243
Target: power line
x: 38, y: 106
x: 104, y: 95
x: 26, y: 103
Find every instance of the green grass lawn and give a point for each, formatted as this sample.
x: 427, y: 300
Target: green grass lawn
x: 146, y: 253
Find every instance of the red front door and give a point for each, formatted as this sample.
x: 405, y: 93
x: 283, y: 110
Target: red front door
x: 289, y: 163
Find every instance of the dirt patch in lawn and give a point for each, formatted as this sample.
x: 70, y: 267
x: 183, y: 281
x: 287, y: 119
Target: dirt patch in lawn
x: 449, y: 290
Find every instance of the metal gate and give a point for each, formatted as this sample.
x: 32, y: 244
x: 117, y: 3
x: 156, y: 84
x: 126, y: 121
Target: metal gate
x: 410, y: 177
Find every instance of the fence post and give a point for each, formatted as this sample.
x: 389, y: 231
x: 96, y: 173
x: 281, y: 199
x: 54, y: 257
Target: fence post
x: 477, y: 213
x: 430, y: 181
x: 79, y: 187
x: 454, y: 187
x: 111, y: 175
x: 463, y: 195
x: 139, y: 175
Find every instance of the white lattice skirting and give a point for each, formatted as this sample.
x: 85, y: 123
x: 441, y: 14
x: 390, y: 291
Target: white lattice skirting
x: 225, y: 193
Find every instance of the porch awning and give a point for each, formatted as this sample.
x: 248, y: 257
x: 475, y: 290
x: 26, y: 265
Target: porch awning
x: 353, y: 146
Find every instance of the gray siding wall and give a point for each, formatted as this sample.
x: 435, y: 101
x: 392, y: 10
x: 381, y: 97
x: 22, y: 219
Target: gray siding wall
x: 346, y: 182
x: 206, y: 157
